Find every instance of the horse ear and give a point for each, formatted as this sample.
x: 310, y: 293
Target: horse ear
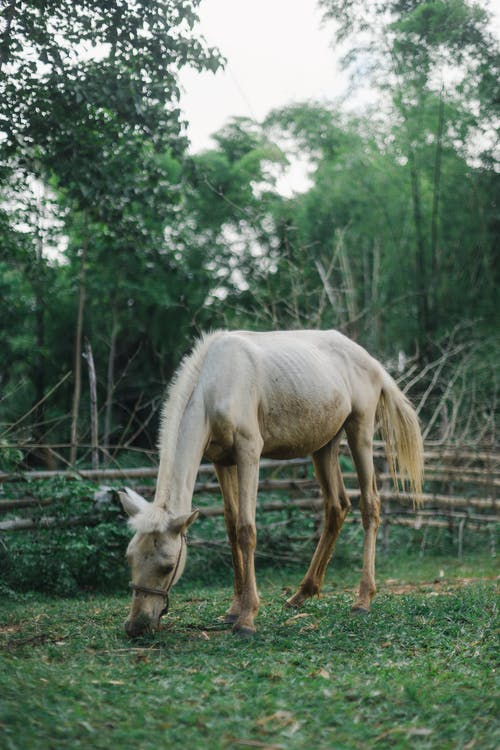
x: 132, y: 502
x: 181, y: 524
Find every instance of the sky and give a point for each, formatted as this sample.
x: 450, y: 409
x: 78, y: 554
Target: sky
x: 277, y: 52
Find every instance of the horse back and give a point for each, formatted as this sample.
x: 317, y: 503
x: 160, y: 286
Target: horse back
x: 294, y: 388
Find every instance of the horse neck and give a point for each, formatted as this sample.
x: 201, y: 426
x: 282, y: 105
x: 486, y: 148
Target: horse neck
x: 179, y: 468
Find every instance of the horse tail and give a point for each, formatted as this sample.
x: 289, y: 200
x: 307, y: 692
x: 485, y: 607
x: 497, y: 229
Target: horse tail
x: 401, y: 433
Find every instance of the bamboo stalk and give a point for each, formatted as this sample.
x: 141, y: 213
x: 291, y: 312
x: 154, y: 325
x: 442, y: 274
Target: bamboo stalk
x: 91, y: 474
x: 78, y: 351
x: 94, y: 420
x: 110, y: 382
x: 433, y: 451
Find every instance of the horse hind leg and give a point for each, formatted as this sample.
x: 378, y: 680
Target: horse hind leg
x: 228, y: 481
x: 360, y: 439
x: 336, y: 506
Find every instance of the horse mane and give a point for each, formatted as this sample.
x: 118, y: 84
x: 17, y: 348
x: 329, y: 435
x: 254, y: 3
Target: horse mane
x: 179, y: 392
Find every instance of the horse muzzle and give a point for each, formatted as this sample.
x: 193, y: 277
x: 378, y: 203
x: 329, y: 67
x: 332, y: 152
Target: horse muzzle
x: 140, y: 625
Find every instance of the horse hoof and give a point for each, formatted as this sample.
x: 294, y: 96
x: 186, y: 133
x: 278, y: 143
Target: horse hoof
x: 230, y: 619
x: 294, y: 602
x: 243, y: 631
x: 358, y: 609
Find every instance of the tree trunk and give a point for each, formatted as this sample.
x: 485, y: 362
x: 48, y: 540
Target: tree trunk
x: 375, y: 296
x: 421, y: 266
x: 348, y: 286
x: 39, y: 369
x: 435, y: 211
x: 78, y: 359
x: 110, y: 383
x: 94, y: 420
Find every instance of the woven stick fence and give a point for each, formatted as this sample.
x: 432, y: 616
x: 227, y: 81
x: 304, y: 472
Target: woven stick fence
x: 461, y: 491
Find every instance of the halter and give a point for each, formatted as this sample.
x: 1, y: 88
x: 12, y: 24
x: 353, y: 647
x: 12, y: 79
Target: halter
x: 164, y: 593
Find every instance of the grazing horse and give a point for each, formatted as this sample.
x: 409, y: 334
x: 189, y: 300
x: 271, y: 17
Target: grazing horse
x: 242, y: 395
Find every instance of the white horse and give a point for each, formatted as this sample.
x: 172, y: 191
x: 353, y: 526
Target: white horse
x: 242, y: 395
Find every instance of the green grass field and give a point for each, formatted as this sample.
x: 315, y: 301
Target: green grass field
x: 418, y: 672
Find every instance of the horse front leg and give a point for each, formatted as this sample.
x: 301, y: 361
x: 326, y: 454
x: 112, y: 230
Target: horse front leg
x: 228, y: 481
x: 247, y: 461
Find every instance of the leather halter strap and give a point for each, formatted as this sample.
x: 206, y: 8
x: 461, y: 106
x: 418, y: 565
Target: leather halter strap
x: 148, y: 589
x: 161, y: 592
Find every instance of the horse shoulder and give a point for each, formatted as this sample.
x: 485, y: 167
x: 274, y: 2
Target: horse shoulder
x: 229, y: 385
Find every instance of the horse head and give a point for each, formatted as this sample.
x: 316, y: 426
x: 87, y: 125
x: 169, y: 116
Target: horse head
x: 156, y: 555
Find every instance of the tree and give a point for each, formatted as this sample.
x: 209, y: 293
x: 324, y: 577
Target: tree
x: 437, y: 62
x: 70, y: 65
x: 230, y: 194
x: 90, y: 98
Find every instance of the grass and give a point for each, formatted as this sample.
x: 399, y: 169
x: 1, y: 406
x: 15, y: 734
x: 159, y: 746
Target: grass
x: 418, y: 672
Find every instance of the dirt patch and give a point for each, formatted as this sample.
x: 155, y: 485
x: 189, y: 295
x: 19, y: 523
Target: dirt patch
x: 438, y: 586
x: 9, y: 629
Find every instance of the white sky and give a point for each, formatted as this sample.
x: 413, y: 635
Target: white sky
x: 276, y: 52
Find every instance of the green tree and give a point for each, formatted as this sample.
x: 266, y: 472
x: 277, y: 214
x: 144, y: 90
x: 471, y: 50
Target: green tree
x: 325, y: 250
x: 90, y: 106
x: 230, y: 196
x: 437, y: 65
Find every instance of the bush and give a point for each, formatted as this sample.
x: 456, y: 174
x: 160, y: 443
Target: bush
x: 62, y: 559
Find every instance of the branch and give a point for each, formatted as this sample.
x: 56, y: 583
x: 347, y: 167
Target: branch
x: 35, y: 407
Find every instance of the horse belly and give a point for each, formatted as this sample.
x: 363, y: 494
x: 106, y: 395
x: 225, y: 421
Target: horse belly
x: 294, y: 427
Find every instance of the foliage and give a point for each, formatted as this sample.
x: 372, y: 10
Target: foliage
x: 89, y: 98
x: 341, y: 254
x: 67, y: 559
x: 225, y: 179
x: 435, y: 61
x: 418, y: 671
x: 94, y: 69
x: 110, y: 230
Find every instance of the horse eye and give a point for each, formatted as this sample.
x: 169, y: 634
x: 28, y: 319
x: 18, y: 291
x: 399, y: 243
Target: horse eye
x: 165, y: 569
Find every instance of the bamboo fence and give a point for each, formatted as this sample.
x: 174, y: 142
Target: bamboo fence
x: 461, y: 491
